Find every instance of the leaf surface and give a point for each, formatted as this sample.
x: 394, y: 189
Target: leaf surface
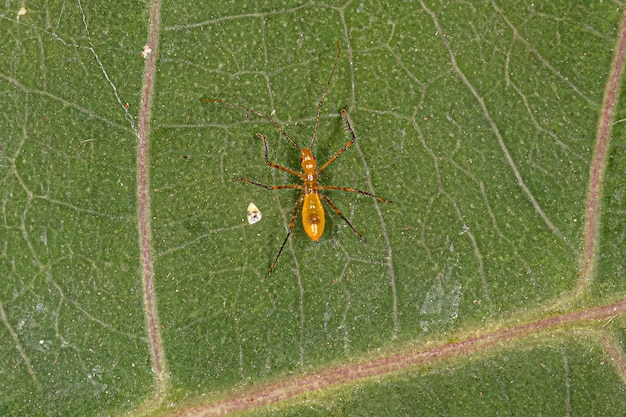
x: 132, y: 282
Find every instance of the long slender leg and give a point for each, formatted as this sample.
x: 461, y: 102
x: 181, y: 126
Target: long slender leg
x: 321, y: 103
x: 344, y: 115
x: 292, y: 223
x: 353, y: 190
x: 334, y: 207
x: 275, y: 165
x: 258, y: 113
x: 270, y: 187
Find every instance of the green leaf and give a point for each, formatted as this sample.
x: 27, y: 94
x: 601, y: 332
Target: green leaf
x: 132, y: 284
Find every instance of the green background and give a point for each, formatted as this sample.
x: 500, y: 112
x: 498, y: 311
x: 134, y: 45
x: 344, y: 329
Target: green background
x: 478, y: 119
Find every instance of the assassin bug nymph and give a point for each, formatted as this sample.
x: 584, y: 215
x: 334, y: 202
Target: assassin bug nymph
x: 311, y: 198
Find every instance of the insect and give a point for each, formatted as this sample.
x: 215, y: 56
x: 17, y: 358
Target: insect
x: 311, y: 199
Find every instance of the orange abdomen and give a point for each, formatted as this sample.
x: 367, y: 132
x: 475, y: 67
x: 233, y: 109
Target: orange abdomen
x: 313, y: 216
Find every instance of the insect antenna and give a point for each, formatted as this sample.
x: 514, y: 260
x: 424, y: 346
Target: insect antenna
x: 321, y: 103
x: 258, y: 113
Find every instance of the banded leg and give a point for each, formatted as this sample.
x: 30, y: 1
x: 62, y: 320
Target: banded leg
x: 292, y: 223
x: 275, y: 165
x: 353, y: 190
x: 340, y: 214
x: 344, y: 115
x: 270, y: 187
